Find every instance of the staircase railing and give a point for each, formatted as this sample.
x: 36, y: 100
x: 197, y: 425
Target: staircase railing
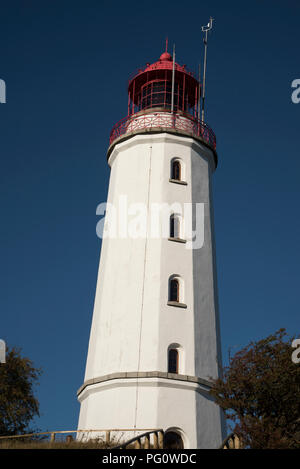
x: 232, y: 441
x: 143, y: 441
x: 153, y: 438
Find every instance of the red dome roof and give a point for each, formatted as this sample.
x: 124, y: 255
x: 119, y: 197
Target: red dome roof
x: 165, y: 62
x: 165, y: 56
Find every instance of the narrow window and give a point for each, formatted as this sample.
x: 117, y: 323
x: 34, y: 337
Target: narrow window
x: 174, y: 226
x: 173, y: 361
x: 176, y: 170
x: 174, y: 290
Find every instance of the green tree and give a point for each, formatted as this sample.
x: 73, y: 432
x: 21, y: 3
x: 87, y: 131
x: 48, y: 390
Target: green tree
x: 260, y: 393
x: 18, y: 405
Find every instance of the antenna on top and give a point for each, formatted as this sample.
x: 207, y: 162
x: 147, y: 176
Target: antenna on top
x: 205, y: 30
x: 199, y: 93
x: 167, y: 44
x: 173, y: 80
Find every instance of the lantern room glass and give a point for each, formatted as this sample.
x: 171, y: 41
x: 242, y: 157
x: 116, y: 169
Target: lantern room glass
x: 158, y: 94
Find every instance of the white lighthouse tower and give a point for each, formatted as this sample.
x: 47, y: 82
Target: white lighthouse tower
x: 155, y: 340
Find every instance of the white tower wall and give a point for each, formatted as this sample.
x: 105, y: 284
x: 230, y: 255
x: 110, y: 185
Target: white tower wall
x: 126, y: 383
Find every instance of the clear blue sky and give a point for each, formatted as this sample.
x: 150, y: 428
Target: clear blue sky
x: 66, y: 66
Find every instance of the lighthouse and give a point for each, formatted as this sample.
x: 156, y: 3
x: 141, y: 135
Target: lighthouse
x: 155, y: 341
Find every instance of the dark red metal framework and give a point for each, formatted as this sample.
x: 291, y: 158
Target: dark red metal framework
x: 152, y: 88
x: 150, y: 97
x: 156, y: 120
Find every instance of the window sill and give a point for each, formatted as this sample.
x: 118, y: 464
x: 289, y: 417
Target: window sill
x: 176, y: 181
x: 177, y: 240
x: 176, y: 303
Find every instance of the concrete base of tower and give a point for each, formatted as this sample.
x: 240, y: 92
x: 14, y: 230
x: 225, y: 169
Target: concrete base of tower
x: 176, y: 406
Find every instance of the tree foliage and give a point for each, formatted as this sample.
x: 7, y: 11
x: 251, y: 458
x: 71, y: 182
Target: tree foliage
x: 18, y: 405
x: 260, y: 393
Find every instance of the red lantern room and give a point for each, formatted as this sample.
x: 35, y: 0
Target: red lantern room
x: 152, y: 88
x: 151, y: 107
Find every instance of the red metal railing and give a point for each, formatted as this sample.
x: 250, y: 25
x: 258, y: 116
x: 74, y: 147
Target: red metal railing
x: 141, y: 70
x: 154, y: 120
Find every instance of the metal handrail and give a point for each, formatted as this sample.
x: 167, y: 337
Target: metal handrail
x: 163, y: 119
x: 232, y: 441
x: 53, y: 433
x: 158, y: 443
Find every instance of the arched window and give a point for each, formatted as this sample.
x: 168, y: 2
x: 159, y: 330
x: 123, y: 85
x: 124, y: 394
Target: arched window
x: 173, y: 361
x: 174, y: 290
x: 172, y: 440
x: 176, y: 170
x: 174, y: 226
